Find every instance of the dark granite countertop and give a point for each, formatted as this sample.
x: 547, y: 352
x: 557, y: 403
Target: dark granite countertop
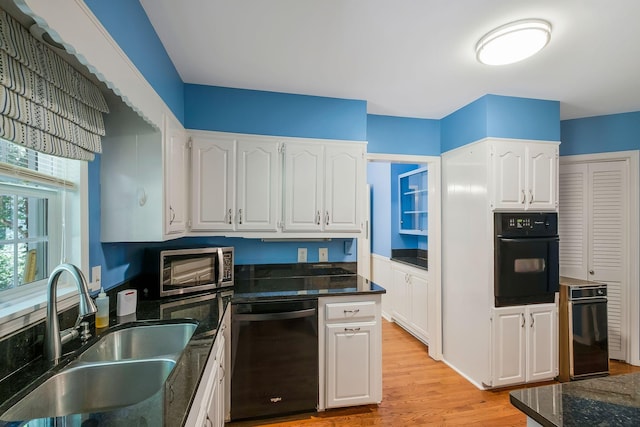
x: 604, y: 401
x: 166, y: 407
x: 257, y: 284
x: 163, y: 408
x: 413, y: 257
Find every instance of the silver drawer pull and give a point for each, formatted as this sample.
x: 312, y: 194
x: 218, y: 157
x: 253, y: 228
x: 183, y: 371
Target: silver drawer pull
x: 351, y: 329
x: 356, y: 311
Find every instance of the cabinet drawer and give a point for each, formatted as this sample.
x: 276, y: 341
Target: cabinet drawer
x: 351, y: 310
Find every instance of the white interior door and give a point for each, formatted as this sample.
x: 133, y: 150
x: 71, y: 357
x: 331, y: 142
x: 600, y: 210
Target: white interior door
x: 594, y: 228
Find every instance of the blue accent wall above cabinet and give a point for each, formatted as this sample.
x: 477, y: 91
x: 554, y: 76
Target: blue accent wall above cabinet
x: 403, y: 135
x: 128, y: 24
x: 601, y: 134
x: 271, y: 113
x: 501, y: 117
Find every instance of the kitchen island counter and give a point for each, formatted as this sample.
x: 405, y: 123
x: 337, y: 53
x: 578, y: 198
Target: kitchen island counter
x: 605, y: 401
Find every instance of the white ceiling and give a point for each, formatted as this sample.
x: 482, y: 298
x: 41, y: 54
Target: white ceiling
x: 412, y: 58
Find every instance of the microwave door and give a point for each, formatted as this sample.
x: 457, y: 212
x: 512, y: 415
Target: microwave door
x: 190, y: 272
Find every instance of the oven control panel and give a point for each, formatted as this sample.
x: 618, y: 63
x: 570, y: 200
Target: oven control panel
x: 526, y: 224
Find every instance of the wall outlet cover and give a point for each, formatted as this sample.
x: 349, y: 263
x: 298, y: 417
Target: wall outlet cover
x: 96, y: 278
x: 323, y: 254
x: 302, y: 254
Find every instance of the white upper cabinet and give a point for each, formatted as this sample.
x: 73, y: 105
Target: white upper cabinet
x: 212, y: 183
x: 344, y: 180
x: 258, y: 172
x: 525, y: 175
x: 234, y: 183
x: 304, y: 186
x: 323, y: 187
x: 176, y: 168
x: 143, y: 179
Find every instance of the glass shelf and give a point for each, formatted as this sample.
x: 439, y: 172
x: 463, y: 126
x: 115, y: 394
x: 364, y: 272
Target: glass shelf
x: 413, y: 202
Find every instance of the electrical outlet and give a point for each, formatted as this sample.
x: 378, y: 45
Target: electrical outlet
x: 302, y: 254
x: 323, y: 254
x: 96, y: 278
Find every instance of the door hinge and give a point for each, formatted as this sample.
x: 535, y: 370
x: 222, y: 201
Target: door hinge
x: 190, y: 143
x: 189, y: 224
x: 281, y: 149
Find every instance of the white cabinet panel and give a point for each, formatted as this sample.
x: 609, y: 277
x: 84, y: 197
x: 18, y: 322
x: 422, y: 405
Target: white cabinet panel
x: 258, y: 170
x: 350, y: 348
x: 525, y: 175
x: 177, y: 165
x: 213, y: 183
x: 525, y: 344
x: 412, y: 307
x: 344, y: 180
x: 304, y: 186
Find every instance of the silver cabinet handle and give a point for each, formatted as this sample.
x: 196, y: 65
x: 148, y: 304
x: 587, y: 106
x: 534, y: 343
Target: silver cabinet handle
x: 240, y: 216
x: 524, y: 197
x: 354, y: 330
x: 356, y: 311
x: 230, y: 216
x: 317, y: 217
x: 530, y: 196
x: 532, y: 319
x: 591, y: 272
x: 523, y: 320
x: 326, y: 218
x: 172, y: 215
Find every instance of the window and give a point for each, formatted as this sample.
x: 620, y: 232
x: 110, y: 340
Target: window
x: 39, y: 211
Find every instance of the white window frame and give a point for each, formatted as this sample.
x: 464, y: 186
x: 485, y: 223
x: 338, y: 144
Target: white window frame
x: 26, y: 305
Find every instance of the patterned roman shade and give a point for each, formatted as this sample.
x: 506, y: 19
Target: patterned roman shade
x: 45, y: 103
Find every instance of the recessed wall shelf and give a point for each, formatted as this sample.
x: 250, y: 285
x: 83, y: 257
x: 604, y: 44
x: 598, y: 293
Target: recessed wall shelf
x: 413, y: 202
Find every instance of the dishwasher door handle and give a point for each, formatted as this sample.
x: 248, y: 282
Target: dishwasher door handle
x: 257, y: 317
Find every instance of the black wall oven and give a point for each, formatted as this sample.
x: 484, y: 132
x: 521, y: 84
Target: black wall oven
x: 526, y: 267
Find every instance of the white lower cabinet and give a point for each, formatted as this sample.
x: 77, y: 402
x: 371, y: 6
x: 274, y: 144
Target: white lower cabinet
x: 210, y: 406
x: 350, y: 351
x: 413, y: 303
x: 525, y: 344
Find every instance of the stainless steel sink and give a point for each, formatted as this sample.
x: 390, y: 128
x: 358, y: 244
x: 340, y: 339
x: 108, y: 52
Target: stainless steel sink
x: 141, y: 342
x: 94, y: 387
x: 124, y: 367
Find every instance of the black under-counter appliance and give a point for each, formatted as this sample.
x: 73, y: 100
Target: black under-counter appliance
x: 274, y: 358
x: 526, y: 269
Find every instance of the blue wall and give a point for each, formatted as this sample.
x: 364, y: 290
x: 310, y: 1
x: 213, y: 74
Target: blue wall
x: 501, y: 117
x: 403, y: 135
x: 601, y: 134
x: 271, y: 113
x: 379, y: 178
x: 130, y: 27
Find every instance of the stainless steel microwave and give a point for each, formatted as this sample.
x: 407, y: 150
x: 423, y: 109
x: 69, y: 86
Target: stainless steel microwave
x: 183, y: 271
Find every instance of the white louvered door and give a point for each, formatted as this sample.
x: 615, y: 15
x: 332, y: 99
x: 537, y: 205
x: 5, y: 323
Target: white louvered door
x: 593, y: 228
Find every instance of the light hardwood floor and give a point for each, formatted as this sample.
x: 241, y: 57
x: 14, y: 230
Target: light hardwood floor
x: 418, y: 391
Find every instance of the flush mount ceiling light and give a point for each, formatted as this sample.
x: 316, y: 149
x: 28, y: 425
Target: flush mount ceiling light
x: 513, y: 42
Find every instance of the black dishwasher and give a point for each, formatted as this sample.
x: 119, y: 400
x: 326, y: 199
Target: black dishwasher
x: 274, y: 358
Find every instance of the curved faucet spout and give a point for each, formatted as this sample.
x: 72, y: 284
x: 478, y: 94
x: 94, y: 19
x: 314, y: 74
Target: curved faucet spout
x: 53, y: 342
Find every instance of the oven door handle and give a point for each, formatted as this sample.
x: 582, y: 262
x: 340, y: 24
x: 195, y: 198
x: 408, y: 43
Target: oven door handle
x: 529, y: 239
x: 257, y: 317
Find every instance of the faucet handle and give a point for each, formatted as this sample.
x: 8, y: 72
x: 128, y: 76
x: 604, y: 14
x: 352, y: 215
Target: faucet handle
x: 85, y: 333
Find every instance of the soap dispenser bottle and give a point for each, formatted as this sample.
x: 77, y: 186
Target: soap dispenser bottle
x: 102, y: 316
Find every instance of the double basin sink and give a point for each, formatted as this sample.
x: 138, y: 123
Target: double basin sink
x: 123, y: 367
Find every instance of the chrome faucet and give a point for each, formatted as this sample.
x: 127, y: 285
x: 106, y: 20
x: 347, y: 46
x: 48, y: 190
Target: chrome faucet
x: 53, y: 338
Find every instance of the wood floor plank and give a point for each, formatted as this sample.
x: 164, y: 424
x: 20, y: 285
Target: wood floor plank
x: 418, y: 391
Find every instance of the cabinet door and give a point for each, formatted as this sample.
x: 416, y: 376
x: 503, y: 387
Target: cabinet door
x: 303, y: 177
x: 213, y: 183
x: 216, y: 407
x: 177, y: 159
x: 509, y: 175
x: 350, y: 359
x: 509, y: 342
x: 344, y: 177
x: 419, y: 301
x: 401, y: 307
x: 542, y: 342
x: 258, y: 170
x: 542, y: 176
